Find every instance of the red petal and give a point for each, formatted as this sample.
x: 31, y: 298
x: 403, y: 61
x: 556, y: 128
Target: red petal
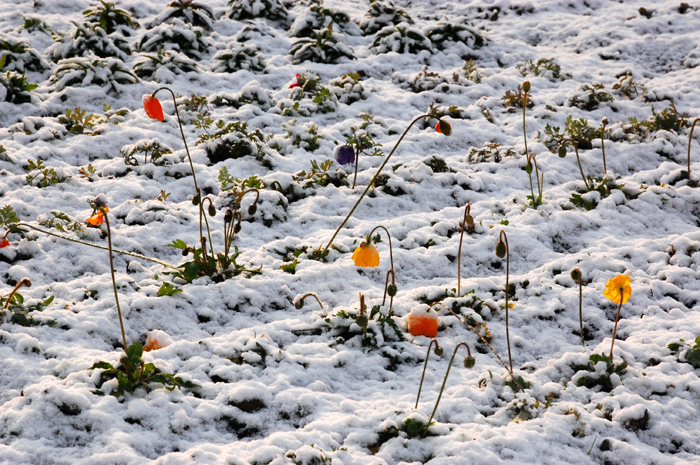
x: 152, y: 107
x: 4, y: 243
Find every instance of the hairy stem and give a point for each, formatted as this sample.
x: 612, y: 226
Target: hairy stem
x: 444, y: 381
x: 617, y: 318
x: 114, y: 281
x: 467, y: 210
x: 425, y: 365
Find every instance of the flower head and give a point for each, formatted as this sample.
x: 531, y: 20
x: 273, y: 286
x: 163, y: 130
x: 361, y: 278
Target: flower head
x: 344, y: 154
x: 618, y: 289
x: 295, y: 84
x: 422, y: 322
x: 443, y: 127
x: 157, y: 339
x: 98, y: 217
x: 4, y: 243
x: 151, y: 106
x: 366, y: 254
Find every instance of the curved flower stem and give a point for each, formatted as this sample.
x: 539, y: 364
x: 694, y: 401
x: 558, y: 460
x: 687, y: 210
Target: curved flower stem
x: 444, y: 381
x: 503, y: 237
x: 257, y: 195
x: 114, y: 281
x: 279, y: 186
x: 425, y: 365
x: 373, y: 180
x: 22, y: 282
x: 386, y: 287
x: 391, y: 253
x: 617, y: 318
x: 467, y: 211
x: 357, y: 163
x: 690, y: 139
x: 206, y: 221
x: 132, y: 254
x: 189, y: 158
x: 311, y: 294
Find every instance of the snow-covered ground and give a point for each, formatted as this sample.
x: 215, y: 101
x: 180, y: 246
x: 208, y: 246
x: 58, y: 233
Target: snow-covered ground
x: 282, y: 385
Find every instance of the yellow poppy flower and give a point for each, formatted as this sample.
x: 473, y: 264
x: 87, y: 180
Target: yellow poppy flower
x: 366, y: 255
x: 618, y: 288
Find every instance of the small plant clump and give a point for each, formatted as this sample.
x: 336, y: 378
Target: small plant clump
x: 490, y: 152
x: 316, y: 17
x: 241, y: 10
x: 110, y: 73
x: 189, y: 11
x: 110, y: 18
x: 20, y: 57
x: 232, y: 140
x: 89, y: 39
x: 544, y: 67
x: 589, y: 97
x: 402, y: 38
x: 153, y: 151
x: 178, y: 36
x: 237, y: 56
x: 444, y: 35
x: 381, y: 14
x: 324, y: 46
x: 163, y: 66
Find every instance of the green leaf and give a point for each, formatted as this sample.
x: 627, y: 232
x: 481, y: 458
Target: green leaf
x: 134, y: 352
x: 167, y: 289
x: 102, y: 365
x: 178, y: 244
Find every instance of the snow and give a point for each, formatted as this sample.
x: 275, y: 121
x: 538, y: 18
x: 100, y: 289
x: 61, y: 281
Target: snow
x: 281, y: 385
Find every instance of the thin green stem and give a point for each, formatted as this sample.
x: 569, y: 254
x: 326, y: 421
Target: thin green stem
x: 602, y: 146
x: 357, y: 163
x: 617, y: 318
x: 386, y: 287
x: 425, y: 365
x: 690, y: 139
x: 132, y: 254
x: 444, y: 381
x: 114, y: 281
x: 580, y: 311
x: 374, y: 179
x: 502, y: 236
x: 524, y: 128
x: 467, y: 211
x: 578, y: 160
x: 22, y: 282
x: 391, y: 253
x: 179, y: 122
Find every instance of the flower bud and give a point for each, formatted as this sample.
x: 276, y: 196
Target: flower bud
x: 443, y: 127
x: 344, y: 154
x: 228, y: 216
x: 391, y: 290
x: 528, y: 167
x: 606, y: 121
x: 469, y: 361
x: 299, y: 304
x: 470, y: 221
x: 526, y: 86
x: 562, y: 151
x: 576, y: 275
x: 197, y: 199
x: 501, y: 249
x: 185, y: 251
x: 212, y: 210
x: 438, y: 351
x: 252, y: 209
x: 237, y: 228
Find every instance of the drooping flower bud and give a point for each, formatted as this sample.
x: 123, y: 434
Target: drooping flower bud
x: 252, y: 209
x: 197, y: 199
x: 562, y: 151
x: 391, y: 290
x: 469, y: 361
x: 299, y: 304
x: 438, y: 351
x: 443, y: 127
x: 228, y: 216
x: 501, y: 249
x: 526, y: 86
x: 212, y: 210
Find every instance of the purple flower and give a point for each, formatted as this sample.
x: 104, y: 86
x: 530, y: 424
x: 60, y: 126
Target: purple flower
x: 344, y: 154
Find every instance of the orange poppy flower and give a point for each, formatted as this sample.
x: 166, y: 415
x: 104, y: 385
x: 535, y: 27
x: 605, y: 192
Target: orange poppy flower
x: 98, y: 218
x: 422, y: 323
x: 366, y: 255
x: 618, y: 288
x: 4, y: 243
x: 157, y: 339
x: 151, y: 106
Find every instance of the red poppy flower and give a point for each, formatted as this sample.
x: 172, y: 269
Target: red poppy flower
x: 296, y: 84
x: 4, y: 243
x: 151, y: 106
